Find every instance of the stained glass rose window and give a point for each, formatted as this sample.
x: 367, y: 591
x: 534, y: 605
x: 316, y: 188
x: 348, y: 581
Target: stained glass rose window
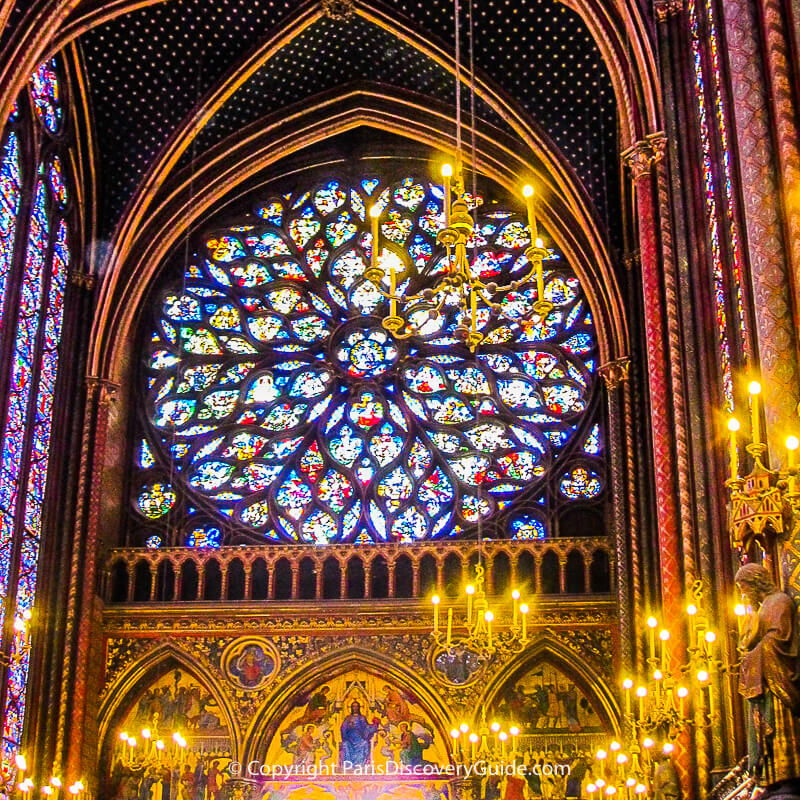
x: 279, y: 407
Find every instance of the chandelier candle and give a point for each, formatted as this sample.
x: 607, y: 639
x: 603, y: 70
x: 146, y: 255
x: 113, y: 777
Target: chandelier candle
x: 792, y: 443
x: 664, y: 637
x: 374, y: 214
x: 691, y: 610
x: 393, y: 291
x: 515, y: 597
x: 652, y: 624
x: 449, y: 626
x: 627, y: 685
x: 755, y: 390
x: 683, y: 693
x: 447, y: 172
x: 527, y: 193
x: 641, y: 693
x: 733, y: 427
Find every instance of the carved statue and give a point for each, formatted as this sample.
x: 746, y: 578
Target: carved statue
x: 666, y: 784
x: 770, y: 666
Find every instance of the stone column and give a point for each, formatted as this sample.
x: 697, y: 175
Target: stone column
x: 83, y: 619
x: 658, y: 340
x: 614, y: 374
x: 639, y: 160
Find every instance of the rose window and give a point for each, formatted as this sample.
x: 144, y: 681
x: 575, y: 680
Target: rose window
x: 278, y: 407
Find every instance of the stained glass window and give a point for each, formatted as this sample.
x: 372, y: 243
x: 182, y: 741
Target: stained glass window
x: 45, y: 92
x: 278, y: 402
x: 706, y: 96
x: 9, y: 209
x: 36, y: 237
x: 22, y: 364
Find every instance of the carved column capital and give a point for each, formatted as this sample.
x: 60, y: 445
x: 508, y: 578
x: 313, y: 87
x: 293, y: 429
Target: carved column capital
x: 82, y: 280
x: 658, y: 145
x: 615, y: 372
x: 338, y: 9
x: 637, y: 159
x: 667, y: 8
x: 641, y: 155
x: 101, y: 388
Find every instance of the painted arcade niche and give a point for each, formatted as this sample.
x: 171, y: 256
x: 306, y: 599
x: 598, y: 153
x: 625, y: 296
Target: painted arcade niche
x: 359, y: 719
x: 174, y: 741
x: 560, y: 714
x: 545, y: 700
x: 561, y: 566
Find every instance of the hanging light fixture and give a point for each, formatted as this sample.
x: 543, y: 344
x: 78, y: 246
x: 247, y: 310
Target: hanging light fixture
x: 479, y: 630
x: 460, y: 283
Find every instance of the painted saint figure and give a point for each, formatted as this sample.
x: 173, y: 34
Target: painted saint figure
x: 253, y: 665
x: 317, y: 707
x: 357, y: 733
x: 395, y: 706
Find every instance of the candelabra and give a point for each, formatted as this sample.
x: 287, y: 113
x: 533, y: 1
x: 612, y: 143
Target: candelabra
x: 657, y: 708
x: 460, y: 284
x: 14, y: 783
x: 476, y: 631
x: 22, y: 641
x: 153, y: 751
x: 493, y: 743
x: 764, y: 503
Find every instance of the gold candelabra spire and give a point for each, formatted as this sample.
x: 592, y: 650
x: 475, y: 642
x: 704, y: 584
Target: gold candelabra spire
x: 763, y: 503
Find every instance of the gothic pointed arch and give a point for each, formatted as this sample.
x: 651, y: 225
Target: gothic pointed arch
x: 547, y: 649
x: 296, y: 691
x: 203, y: 121
x: 123, y: 699
x: 633, y: 66
x: 193, y: 195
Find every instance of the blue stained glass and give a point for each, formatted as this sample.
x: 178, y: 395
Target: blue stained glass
x: 344, y: 431
x: 527, y: 527
x: 46, y: 94
x: 581, y: 483
x: 9, y: 208
x: 57, y: 185
x: 204, y: 536
x: 592, y: 444
x: 28, y: 324
x: 21, y: 379
x: 369, y: 184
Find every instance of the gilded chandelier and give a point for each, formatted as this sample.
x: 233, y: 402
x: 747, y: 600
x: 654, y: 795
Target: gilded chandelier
x: 476, y: 630
x: 489, y: 742
x: 460, y: 283
x: 14, y: 783
x: 657, y: 709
